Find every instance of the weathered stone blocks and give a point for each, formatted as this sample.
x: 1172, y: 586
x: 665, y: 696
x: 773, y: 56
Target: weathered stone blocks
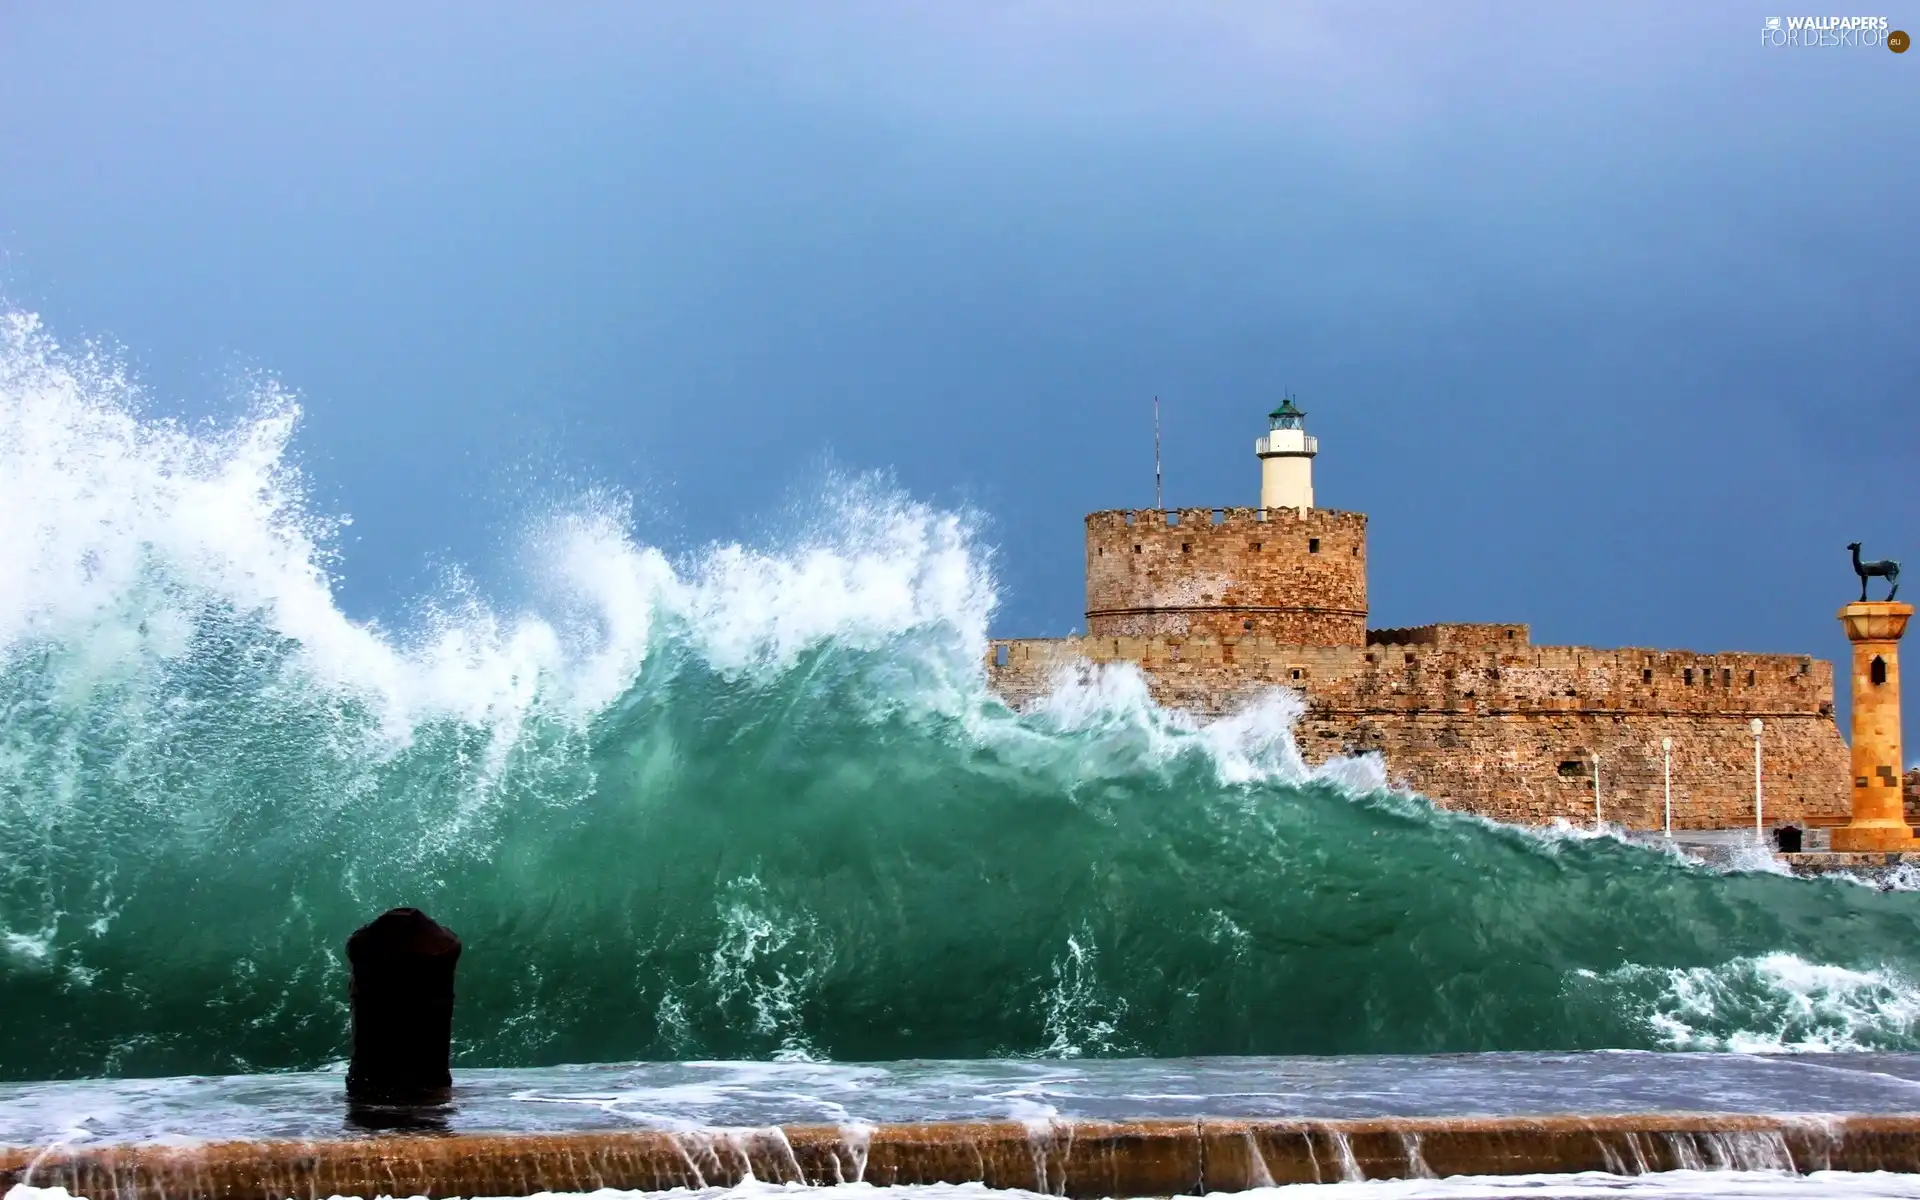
x: 1292, y: 575
x: 1878, y: 819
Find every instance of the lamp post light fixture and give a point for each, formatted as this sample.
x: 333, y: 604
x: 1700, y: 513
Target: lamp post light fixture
x: 1666, y: 766
x: 1759, y: 837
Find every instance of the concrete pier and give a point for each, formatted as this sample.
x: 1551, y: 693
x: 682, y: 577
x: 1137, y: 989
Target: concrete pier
x: 1078, y: 1158
x: 1885, y: 869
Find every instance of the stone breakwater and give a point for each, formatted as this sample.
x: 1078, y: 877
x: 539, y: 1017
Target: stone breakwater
x: 1080, y: 1158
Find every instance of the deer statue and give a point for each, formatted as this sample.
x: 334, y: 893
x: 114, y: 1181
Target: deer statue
x: 1886, y: 569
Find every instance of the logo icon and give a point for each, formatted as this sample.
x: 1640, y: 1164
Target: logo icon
x: 1773, y: 23
x: 1898, y: 41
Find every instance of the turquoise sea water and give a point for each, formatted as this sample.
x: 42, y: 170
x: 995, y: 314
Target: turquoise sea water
x: 752, y: 801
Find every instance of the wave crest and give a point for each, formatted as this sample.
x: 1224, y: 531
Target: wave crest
x: 748, y: 801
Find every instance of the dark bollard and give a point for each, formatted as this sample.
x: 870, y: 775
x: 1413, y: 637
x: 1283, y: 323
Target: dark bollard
x: 1787, y: 838
x: 402, y: 992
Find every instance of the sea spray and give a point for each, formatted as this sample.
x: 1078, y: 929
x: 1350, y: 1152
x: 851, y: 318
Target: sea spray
x: 752, y: 801
x: 1772, y: 1003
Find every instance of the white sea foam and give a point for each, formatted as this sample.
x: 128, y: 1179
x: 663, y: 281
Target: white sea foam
x: 26, y: 949
x: 1080, y: 1014
x: 1771, y: 1004
x: 119, y: 529
x: 1110, y: 704
x: 1902, y: 878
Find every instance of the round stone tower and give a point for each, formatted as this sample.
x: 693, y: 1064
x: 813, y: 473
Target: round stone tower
x: 1286, y: 570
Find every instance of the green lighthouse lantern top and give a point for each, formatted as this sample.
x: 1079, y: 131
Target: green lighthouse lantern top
x: 1287, y: 416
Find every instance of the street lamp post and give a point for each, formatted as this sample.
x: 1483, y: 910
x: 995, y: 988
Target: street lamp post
x: 1666, y: 766
x: 1597, y: 822
x: 1759, y: 837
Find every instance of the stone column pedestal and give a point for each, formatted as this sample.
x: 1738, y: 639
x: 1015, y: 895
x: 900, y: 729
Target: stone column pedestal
x: 1874, y: 627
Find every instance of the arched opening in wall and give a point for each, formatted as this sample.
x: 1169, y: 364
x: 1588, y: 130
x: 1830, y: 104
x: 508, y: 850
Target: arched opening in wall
x: 999, y: 656
x: 1313, y: 545
x: 1878, y: 671
x: 1574, y: 768
x: 1646, y: 675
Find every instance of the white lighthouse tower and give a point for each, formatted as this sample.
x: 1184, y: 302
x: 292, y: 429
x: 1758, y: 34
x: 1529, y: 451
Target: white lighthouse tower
x: 1286, y: 459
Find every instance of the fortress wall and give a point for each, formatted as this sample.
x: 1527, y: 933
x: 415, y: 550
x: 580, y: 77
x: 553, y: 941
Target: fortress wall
x: 1294, y: 576
x: 1531, y: 769
x: 1509, y: 732
x: 1020, y: 670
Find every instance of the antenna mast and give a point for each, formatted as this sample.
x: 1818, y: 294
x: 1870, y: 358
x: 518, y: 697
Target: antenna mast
x: 1157, y: 503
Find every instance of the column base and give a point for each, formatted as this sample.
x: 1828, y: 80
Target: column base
x: 1851, y: 838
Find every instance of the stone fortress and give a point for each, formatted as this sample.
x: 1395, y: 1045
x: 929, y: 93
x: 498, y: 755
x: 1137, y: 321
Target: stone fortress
x: 1215, y: 605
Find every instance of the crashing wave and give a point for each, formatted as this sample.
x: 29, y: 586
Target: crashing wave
x: 747, y: 801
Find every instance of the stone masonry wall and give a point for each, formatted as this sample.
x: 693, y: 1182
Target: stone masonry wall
x: 1293, y: 576
x: 1508, y: 730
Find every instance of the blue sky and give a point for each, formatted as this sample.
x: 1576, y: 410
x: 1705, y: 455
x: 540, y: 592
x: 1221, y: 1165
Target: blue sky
x: 1607, y: 315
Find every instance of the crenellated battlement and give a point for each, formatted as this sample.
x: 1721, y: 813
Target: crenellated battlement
x: 1139, y: 518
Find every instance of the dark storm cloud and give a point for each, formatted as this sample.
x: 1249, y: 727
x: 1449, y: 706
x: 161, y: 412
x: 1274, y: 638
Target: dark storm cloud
x: 1606, y: 315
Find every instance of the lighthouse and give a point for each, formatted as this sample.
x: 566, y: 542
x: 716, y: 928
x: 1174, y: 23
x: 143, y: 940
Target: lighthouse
x: 1286, y: 459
